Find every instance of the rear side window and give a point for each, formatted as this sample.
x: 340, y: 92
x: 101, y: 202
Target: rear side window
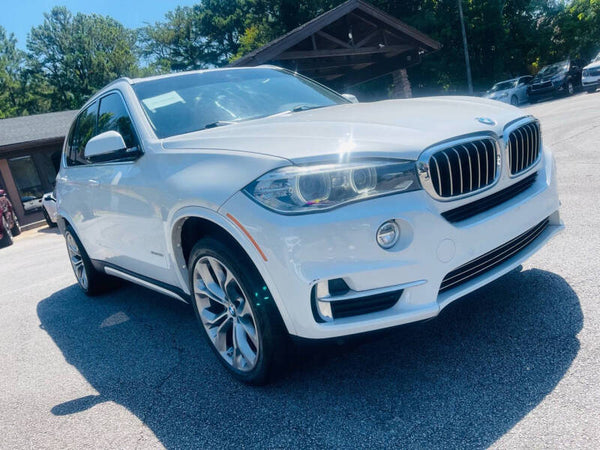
x: 113, y: 116
x: 84, y: 130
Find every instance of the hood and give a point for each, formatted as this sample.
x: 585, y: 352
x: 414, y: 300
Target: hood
x: 497, y: 94
x: 545, y: 78
x: 593, y: 65
x: 392, y: 128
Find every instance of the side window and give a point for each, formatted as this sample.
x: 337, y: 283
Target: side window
x: 84, y: 130
x: 113, y: 116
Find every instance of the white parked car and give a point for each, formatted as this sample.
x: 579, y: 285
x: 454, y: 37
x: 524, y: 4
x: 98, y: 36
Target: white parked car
x: 49, y: 209
x: 31, y: 203
x: 590, y: 76
x: 277, y: 207
x: 512, y: 91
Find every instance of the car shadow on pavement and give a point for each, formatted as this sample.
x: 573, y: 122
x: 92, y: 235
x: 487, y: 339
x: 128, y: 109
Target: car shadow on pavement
x: 461, y: 380
x: 48, y: 230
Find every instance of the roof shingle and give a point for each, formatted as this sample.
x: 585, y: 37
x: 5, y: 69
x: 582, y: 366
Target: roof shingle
x: 24, y: 129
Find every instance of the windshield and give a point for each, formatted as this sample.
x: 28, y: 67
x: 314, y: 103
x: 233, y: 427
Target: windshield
x: 553, y: 69
x: 503, y: 85
x: 195, y: 101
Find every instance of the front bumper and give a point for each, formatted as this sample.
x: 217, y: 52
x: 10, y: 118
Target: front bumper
x: 546, y: 91
x: 305, y: 249
x: 590, y: 82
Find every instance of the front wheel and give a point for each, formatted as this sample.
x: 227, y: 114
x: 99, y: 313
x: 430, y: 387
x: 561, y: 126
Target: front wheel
x: 48, y: 220
x: 570, y: 88
x: 236, y: 311
x: 16, y: 229
x: 514, y: 100
x: 7, y: 238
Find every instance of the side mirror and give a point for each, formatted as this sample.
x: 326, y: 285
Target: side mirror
x: 350, y: 97
x: 104, y: 144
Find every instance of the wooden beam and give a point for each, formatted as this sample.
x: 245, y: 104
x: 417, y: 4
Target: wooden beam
x: 338, y: 61
x: 367, y: 38
x: 343, y: 52
x: 391, y: 21
x: 325, y: 71
x: 381, y: 67
x: 333, y: 39
x: 274, y: 48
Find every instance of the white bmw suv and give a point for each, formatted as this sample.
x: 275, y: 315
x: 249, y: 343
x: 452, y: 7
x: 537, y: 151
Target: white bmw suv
x: 278, y: 207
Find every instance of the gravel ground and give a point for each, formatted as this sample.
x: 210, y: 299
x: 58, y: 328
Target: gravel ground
x: 514, y: 364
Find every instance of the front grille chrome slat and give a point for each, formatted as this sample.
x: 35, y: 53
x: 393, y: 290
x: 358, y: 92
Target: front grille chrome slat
x: 465, y: 168
x: 523, y: 147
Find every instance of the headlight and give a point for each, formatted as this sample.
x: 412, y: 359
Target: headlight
x: 304, y: 189
x: 503, y: 94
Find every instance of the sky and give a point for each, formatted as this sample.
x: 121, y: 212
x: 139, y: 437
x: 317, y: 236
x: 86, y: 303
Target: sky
x: 19, y: 16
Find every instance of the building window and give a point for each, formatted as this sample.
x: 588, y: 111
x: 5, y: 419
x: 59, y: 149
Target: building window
x: 28, y: 182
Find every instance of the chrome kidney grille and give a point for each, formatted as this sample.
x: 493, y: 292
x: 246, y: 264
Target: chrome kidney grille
x: 464, y: 168
x: 523, y: 147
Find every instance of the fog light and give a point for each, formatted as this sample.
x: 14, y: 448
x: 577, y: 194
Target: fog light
x: 388, y: 234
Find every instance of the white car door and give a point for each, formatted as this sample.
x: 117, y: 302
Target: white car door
x: 522, y: 89
x: 128, y: 222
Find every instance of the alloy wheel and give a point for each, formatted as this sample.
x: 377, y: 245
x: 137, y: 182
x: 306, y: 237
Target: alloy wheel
x: 7, y: 229
x: 226, y: 314
x: 76, y: 261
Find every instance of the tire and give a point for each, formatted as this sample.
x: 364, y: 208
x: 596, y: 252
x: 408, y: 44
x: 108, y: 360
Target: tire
x: 238, y: 316
x: 16, y: 229
x: 514, y: 100
x: 91, y: 281
x: 47, y: 217
x: 591, y: 91
x: 570, y: 89
x: 7, y: 238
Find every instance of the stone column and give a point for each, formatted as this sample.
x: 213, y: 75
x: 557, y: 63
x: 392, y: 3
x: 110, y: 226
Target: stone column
x: 401, y: 84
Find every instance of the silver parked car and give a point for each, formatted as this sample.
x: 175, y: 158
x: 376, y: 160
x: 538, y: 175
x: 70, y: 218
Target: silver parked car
x: 510, y: 91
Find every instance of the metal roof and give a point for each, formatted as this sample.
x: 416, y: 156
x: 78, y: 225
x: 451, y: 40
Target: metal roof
x: 39, y: 127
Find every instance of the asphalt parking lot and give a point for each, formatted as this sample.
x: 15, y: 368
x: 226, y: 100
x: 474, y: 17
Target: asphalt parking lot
x: 515, y: 364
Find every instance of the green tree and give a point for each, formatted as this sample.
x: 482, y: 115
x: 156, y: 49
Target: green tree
x: 579, y: 29
x: 175, y: 44
x: 77, y: 55
x: 11, y: 64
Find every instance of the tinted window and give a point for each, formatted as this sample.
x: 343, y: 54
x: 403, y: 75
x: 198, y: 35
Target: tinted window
x: 85, y: 129
x: 113, y: 116
x: 525, y: 80
x: 190, y: 102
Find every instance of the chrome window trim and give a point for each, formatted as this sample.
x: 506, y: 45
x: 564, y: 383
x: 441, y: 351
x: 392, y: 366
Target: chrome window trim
x: 423, y: 164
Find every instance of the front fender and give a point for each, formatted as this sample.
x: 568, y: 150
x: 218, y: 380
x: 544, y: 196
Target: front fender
x: 174, y: 225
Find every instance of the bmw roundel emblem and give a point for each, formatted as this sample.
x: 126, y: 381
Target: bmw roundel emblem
x: 485, y: 120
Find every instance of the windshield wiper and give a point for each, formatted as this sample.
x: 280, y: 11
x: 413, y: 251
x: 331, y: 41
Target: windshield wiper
x: 218, y: 123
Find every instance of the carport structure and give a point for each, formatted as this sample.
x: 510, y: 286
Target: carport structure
x: 348, y: 45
